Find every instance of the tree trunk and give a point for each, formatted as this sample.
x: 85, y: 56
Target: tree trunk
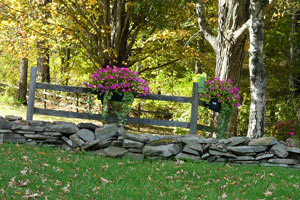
x: 23, y: 80
x: 294, y: 40
x: 43, y: 62
x: 229, y: 43
x: 65, y: 65
x: 258, y: 77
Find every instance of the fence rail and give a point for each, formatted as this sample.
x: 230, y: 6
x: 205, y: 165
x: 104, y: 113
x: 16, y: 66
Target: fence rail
x: 194, y: 100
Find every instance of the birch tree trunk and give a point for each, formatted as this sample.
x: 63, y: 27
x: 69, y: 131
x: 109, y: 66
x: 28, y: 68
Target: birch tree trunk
x: 258, y: 76
x: 23, y: 80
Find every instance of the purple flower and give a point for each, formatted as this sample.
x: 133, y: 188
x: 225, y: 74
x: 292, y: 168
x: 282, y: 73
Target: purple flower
x: 212, y: 88
x: 292, y: 133
x: 123, y: 90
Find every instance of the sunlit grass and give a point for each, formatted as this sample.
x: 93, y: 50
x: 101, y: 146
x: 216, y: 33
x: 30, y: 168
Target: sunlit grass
x: 42, y: 172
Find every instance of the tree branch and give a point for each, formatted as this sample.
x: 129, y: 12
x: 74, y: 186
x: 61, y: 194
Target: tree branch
x: 203, y: 25
x: 159, y: 66
x: 241, y: 31
x: 270, y: 5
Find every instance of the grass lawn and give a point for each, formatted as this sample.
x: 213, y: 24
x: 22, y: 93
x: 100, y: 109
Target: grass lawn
x: 41, y: 172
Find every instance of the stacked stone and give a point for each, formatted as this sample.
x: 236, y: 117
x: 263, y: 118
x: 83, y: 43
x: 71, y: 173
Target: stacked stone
x: 113, y: 141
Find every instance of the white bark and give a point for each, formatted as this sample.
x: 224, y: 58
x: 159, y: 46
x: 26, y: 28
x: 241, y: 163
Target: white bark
x: 258, y: 77
x: 229, y: 42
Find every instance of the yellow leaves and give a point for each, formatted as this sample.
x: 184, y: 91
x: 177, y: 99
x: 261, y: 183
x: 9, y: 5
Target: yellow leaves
x: 42, y: 153
x: 105, y: 181
x: 268, y: 193
x: 224, y: 196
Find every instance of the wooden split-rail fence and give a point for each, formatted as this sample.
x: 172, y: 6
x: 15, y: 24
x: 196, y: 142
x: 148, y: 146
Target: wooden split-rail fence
x: 194, y: 101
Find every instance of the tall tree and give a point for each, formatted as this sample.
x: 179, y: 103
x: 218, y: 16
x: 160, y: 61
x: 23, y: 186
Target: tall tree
x: 229, y: 41
x: 258, y: 76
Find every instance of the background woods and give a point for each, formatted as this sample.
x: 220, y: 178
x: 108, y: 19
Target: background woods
x: 168, y: 42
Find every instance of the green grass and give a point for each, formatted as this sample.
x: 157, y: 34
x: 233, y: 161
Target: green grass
x: 41, y: 172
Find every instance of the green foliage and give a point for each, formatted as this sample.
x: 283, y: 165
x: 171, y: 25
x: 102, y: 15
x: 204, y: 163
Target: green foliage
x: 223, y: 121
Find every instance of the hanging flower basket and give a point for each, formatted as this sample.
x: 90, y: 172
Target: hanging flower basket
x: 117, y: 87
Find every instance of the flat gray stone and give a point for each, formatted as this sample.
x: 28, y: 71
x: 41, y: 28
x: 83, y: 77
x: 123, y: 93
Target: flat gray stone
x: 133, y: 150
x: 293, y: 150
x: 234, y: 141
x: 116, y: 143
x: 38, y: 136
x: 132, y: 144
x: 205, y: 156
x: 195, y: 146
x: 280, y: 150
x: 121, y: 130
x: 164, y: 141
x: 76, y: 139
x: 264, y: 141
x: 213, y: 158
x: 5, y: 125
x: 242, y: 158
x: 108, y: 131
x: 90, y: 144
x: 86, y: 135
x: 264, y: 156
x: 89, y: 126
x: 36, y: 123
x: 14, y: 138
x: 282, y: 161
x: 134, y: 156
x: 217, y: 153
x: 13, y: 118
x: 242, y: 150
x: 136, y: 137
x: 27, y: 128
x: 219, y: 148
x: 104, y: 143
x: 67, y: 128
x: 53, y: 134
x: 24, y: 132
x: 274, y: 165
x: 5, y: 132
x: 115, y: 151
x: 188, y: 150
x: 190, y: 139
x: 208, y: 141
x: 69, y: 142
x: 164, y: 151
x: 184, y: 156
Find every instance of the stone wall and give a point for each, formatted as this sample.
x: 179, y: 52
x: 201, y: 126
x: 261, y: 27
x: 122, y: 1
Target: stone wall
x: 110, y: 140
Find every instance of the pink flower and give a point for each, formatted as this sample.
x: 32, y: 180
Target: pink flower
x: 212, y: 88
x: 292, y: 133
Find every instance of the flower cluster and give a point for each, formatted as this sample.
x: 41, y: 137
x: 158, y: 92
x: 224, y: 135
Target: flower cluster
x: 117, y: 79
x: 293, y: 140
x: 224, y: 91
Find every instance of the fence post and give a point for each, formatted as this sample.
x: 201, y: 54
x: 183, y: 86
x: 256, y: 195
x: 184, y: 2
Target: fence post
x: 77, y: 101
x: 45, y: 100
x: 194, y: 111
x: 32, y: 87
